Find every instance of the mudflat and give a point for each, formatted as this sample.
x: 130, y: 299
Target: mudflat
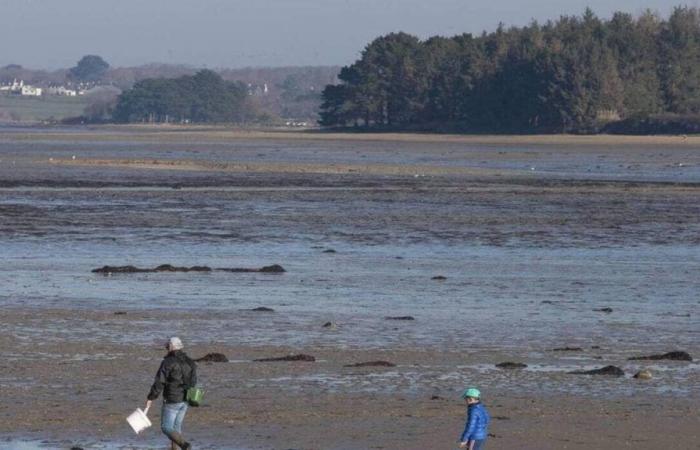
x: 560, y: 253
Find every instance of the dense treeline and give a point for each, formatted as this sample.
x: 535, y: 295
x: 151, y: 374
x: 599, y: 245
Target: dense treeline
x: 201, y: 98
x: 573, y: 75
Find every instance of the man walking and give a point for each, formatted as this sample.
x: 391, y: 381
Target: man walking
x: 176, y: 374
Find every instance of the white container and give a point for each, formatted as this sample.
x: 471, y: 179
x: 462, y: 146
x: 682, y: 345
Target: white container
x: 138, y: 420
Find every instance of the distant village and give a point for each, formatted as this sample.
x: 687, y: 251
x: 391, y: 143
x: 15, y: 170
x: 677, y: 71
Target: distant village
x: 27, y: 90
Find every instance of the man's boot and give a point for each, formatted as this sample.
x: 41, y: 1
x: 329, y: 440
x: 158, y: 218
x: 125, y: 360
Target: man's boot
x: 177, y: 439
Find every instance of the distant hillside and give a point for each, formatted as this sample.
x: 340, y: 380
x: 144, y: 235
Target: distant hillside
x: 281, y: 92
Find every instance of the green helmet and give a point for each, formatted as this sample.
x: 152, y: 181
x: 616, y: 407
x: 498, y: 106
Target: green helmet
x: 472, y: 392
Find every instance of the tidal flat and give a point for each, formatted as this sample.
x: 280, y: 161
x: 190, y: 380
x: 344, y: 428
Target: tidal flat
x: 502, y: 249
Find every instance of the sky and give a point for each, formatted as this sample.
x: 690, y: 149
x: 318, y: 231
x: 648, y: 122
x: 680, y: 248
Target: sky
x: 51, y: 34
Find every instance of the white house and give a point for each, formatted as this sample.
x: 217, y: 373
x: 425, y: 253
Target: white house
x: 30, y: 91
x: 19, y: 88
x: 61, y: 90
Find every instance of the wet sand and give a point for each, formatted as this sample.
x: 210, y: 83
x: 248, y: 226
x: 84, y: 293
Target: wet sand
x: 81, y: 392
x: 72, y: 369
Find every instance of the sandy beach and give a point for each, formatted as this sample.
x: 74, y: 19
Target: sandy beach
x: 73, y: 396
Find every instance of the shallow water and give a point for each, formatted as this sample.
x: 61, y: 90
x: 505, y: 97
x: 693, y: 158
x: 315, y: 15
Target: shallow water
x: 526, y: 266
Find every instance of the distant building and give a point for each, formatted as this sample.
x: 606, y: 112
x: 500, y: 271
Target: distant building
x: 19, y: 88
x: 31, y: 91
x: 258, y: 90
x: 62, y: 91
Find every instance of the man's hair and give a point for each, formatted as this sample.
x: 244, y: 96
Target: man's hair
x: 174, y: 343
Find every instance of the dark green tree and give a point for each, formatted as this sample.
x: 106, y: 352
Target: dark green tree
x: 680, y: 63
x: 90, y: 68
x: 576, y: 74
x: 202, y: 98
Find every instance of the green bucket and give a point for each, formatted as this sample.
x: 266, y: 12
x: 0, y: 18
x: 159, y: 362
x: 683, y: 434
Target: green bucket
x: 194, y: 396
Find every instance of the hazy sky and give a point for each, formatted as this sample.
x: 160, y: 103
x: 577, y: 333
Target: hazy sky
x: 237, y: 33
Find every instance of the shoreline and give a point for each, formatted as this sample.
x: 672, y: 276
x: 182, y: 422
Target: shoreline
x: 223, y: 133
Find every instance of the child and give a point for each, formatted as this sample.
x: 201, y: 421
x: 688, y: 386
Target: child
x: 476, y: 430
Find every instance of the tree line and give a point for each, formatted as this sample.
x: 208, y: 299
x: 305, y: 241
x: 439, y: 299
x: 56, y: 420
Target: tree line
x: 204, y: 97
x: 576, y: 74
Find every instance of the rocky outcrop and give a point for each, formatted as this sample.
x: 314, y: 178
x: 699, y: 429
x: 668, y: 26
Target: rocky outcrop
x: 120, y: 269
x: 289, y: 358
x: 643, y: 375
x: 612, y: 371
x: 213, y: 357
x: 263, y: 309
x: 107, y: 270
x: 511, y: 365
x: 170, y: 268
x: 670, y: 356
x: 275, y: 268
x: 372, y: 364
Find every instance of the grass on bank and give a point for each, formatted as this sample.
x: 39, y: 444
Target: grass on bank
x: 40, y: 109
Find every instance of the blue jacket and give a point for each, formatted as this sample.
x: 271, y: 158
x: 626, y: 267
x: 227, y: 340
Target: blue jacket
x: 477, y: 427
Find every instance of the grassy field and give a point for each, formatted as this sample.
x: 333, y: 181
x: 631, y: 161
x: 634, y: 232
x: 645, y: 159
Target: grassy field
x: 37, y: 109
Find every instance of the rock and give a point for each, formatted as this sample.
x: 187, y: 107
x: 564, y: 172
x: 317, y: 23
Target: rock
x: 213, y: 357
x: 329, y: 250
x: 170, y: 268
x: 330, y: 326
x: 567, y: 349
x: 607, y: 370
x: 400, y: 318
x: 643, y: 375
x: 439, y: 278
x: 670, y: 356
x: 511, y: 365
x: 120, y: 313
x: 288, y: 358
x: 595, y: 347
x: 275, y: 268
x: 547, y: 302
x: 119, y: 269
x: 604, y: 310
x: 437, y: 397
x: 262, y: 309
x: 372, y: 364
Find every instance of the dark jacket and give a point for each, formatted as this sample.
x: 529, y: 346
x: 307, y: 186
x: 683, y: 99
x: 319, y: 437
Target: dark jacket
x: 477, y: 425
x: 176, y: 374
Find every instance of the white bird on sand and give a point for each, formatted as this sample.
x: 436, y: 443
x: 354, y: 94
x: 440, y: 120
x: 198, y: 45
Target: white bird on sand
x: 73, y: 157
